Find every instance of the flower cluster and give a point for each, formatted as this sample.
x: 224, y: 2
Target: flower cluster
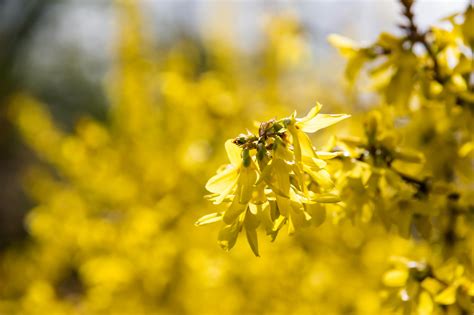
x: 274, y: 178
x: 378, y: 176
x: 422, y: 288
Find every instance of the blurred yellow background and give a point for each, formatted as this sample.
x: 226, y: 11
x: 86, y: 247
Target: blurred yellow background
x: 114, y: 188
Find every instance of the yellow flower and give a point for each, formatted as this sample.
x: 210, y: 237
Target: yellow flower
x: 274, y: 177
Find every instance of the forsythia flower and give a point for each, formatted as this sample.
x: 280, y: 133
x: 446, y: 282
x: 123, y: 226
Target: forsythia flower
x: 274, y: 178
x: 421, y: 288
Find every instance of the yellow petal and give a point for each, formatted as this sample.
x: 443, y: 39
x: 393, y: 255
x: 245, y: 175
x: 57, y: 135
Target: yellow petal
x: 432, y: 285
x: 447, y: 296
x: 314, y: 162
x: 425, y: 304
x: 279, y: 223
x: 235, y: 209
x: 296, y: 143
x: 327, y: 198
x: 306, y: 144
x: 252, y: 239
x: 209, y: 218
x: 317, y: 212
x: 222, y: 180
x: 321, y: 121
x: 228, y: 236
x: 297, y: 218
x: 311, y: 114
x: 247, y: 179
x: 284, y: 205
x: 395, y: 277
x: 252, y: 221
x: 347, y: 47
x: 291, y: 226
x: 233, y: 153
x: 466, y: 149
x: 282, y: 177
x: 321, y: 177
x: 328, y: 155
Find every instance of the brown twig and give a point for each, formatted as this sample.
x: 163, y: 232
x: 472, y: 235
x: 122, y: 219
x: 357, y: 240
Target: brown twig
x: 414, y: 35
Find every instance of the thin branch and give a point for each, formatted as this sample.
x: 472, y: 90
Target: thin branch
x: 415, y: 36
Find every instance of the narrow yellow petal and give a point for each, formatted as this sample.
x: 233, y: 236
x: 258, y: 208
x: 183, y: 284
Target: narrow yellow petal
x: 347, y: 47
x: 321, y: 177
x: 327, y: 198
x: 282, y: 177
x: 228, y: 236
x: 314, y: 162
x: 312, y: 113
x: 233, y: 153
x: 252, y: 239
x: 328, y: 155
x: 284, y: 205
x: 279, y: 223
x: 305, y: 144
x: 296, y: 143
x: 247, y: 179
x: 209, y: 218
x: 425, y: 304
x: 321, y: 121
x: 235, y: 209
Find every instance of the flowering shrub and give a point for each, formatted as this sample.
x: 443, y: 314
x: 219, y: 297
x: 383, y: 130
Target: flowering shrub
x: 111, y: 230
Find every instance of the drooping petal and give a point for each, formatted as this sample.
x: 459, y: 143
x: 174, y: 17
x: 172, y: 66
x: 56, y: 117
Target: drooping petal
x: 317, y: 212
x: 252, y: 239
x: 282, y: 178
x: 251, y: 224
x: 235, y: 209
x: 284, y: 205
x: 247, y: 179
x: 228, y: 236
x: 425, y: 304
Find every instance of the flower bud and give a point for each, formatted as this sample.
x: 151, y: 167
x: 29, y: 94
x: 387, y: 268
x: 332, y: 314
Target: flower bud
x: 246, y: 157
